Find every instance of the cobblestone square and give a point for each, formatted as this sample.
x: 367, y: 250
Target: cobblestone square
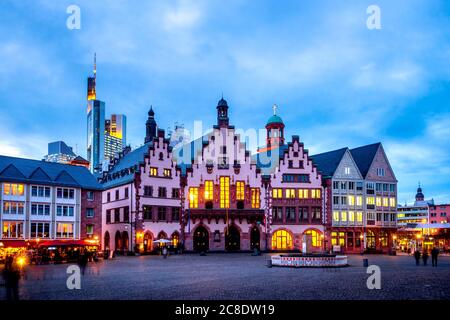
x: 236, y: 276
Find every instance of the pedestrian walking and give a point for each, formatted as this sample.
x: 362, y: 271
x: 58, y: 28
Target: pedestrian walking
x: 425, y: 257
x: 11, y: 275
x: 83, y: 261
x: 417, y: 257
x: 434, y: 256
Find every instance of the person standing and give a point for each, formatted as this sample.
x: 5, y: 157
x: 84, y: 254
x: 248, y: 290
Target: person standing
x: 434, y: 256
x: 425, y: 257
x: 11, y: 274
x: 417, y: 257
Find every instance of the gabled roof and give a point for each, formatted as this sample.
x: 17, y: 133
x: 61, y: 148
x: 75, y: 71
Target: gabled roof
x: 22, y: 170
x: 120, y: 173
x: 364, y: 156
x: 328, y: 162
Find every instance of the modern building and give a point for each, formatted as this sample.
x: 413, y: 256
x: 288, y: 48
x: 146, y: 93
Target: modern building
x: 59, y: 152
x: 419, y: 212
x: 43, y: 202
x: 212, y: 194
x: 95, y: 134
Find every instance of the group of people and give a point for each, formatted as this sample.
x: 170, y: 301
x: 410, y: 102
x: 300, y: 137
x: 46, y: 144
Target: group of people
x: 424, y: 255
x: 11, y: 275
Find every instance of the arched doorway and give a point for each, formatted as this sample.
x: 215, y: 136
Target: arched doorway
x: 125, y: 241
x: 175, y: 239
x: 315, y: 236
x: 148, y: 242
x: 201, y: 239
x: 232, y: 239
x: 255, y: 238
x: 118, y: 241
x: 370, y: 240
x: 281, y: 240
x: 106, y: 240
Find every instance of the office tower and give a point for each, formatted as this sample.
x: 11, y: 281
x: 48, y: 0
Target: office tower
x: 95, y: 134
x: 59, y: 152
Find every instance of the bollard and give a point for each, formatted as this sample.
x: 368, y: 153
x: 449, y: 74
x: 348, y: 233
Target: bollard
x: 366, y: 263
x: 269, y: 263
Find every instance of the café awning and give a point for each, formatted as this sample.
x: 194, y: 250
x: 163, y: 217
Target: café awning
x: 59, y: 243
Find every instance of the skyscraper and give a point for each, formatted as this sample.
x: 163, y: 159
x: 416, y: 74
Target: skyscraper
x: 59, y: 152
x: 95, y: 124
x: 115, y: 135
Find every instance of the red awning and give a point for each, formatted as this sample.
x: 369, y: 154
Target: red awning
x: 56, y: 243
x: 13, y: 243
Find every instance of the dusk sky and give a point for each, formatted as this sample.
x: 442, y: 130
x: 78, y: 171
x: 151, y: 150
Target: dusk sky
x: 336, y: 82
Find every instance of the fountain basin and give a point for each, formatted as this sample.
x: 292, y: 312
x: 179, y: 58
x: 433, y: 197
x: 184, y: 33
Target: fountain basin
x: 309, y: 260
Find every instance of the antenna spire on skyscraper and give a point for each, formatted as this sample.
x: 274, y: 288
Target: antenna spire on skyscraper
x: 95, y: 64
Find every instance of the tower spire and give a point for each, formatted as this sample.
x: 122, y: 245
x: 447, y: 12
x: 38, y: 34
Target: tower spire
x: 95, y: 65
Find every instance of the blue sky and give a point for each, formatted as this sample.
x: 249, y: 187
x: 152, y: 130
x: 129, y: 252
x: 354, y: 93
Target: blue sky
x: 336, y: 82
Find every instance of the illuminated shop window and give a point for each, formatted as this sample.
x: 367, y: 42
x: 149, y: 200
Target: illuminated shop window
x: 224, y: 192
x: 193, y: 197
x: 290, y: 193
x: 255, y: 198
x: 240, y: 190
x: 209, y: 190
x: 281, y: 239
x: 154, y: 172
x: 338, y: 238
x: 316, y: 239
x: 277, y: 193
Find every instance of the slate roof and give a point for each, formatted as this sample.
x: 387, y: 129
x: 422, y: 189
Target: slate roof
x: 328, y: 162
x: 120, y: 169
x: 22, y: 170
x: 364, y: 156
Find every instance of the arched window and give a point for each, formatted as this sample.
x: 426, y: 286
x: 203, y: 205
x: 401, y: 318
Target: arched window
x: 175, y: 239
x: 281, y: 239
x: 161, y: 156
x: 316, y: 237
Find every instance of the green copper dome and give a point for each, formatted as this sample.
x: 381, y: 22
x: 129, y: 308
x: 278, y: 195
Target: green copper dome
x: 274, y: 119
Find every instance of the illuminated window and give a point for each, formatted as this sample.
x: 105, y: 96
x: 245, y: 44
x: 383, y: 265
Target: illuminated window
x: 351, y: 200
x: 12, y: 229
x: 392, y: 202
x: 338, y: 238
x: 240, y: 190
x: 316, y: 239
x: 175, y: 239
x: 193, y: 197
x: 359, y: 200
x: 209, y: 190
x: 336, y: 216
x: 370, y: 200
x: 13, y: 189
x: 359, y: 216
x: 378, y: 202
x: 344, y: 216
x: 315, y: 193
x: 385, y: 202
x: 255, y: 198
x: 290, y: 193
x: 64, y: 230
x: 351, y: 216
x: 281, y: 239
x: 224, y: 192
x: 154, y: 172
x: 277, y: 193
x: 167, y: 173
x: 303, y: 193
